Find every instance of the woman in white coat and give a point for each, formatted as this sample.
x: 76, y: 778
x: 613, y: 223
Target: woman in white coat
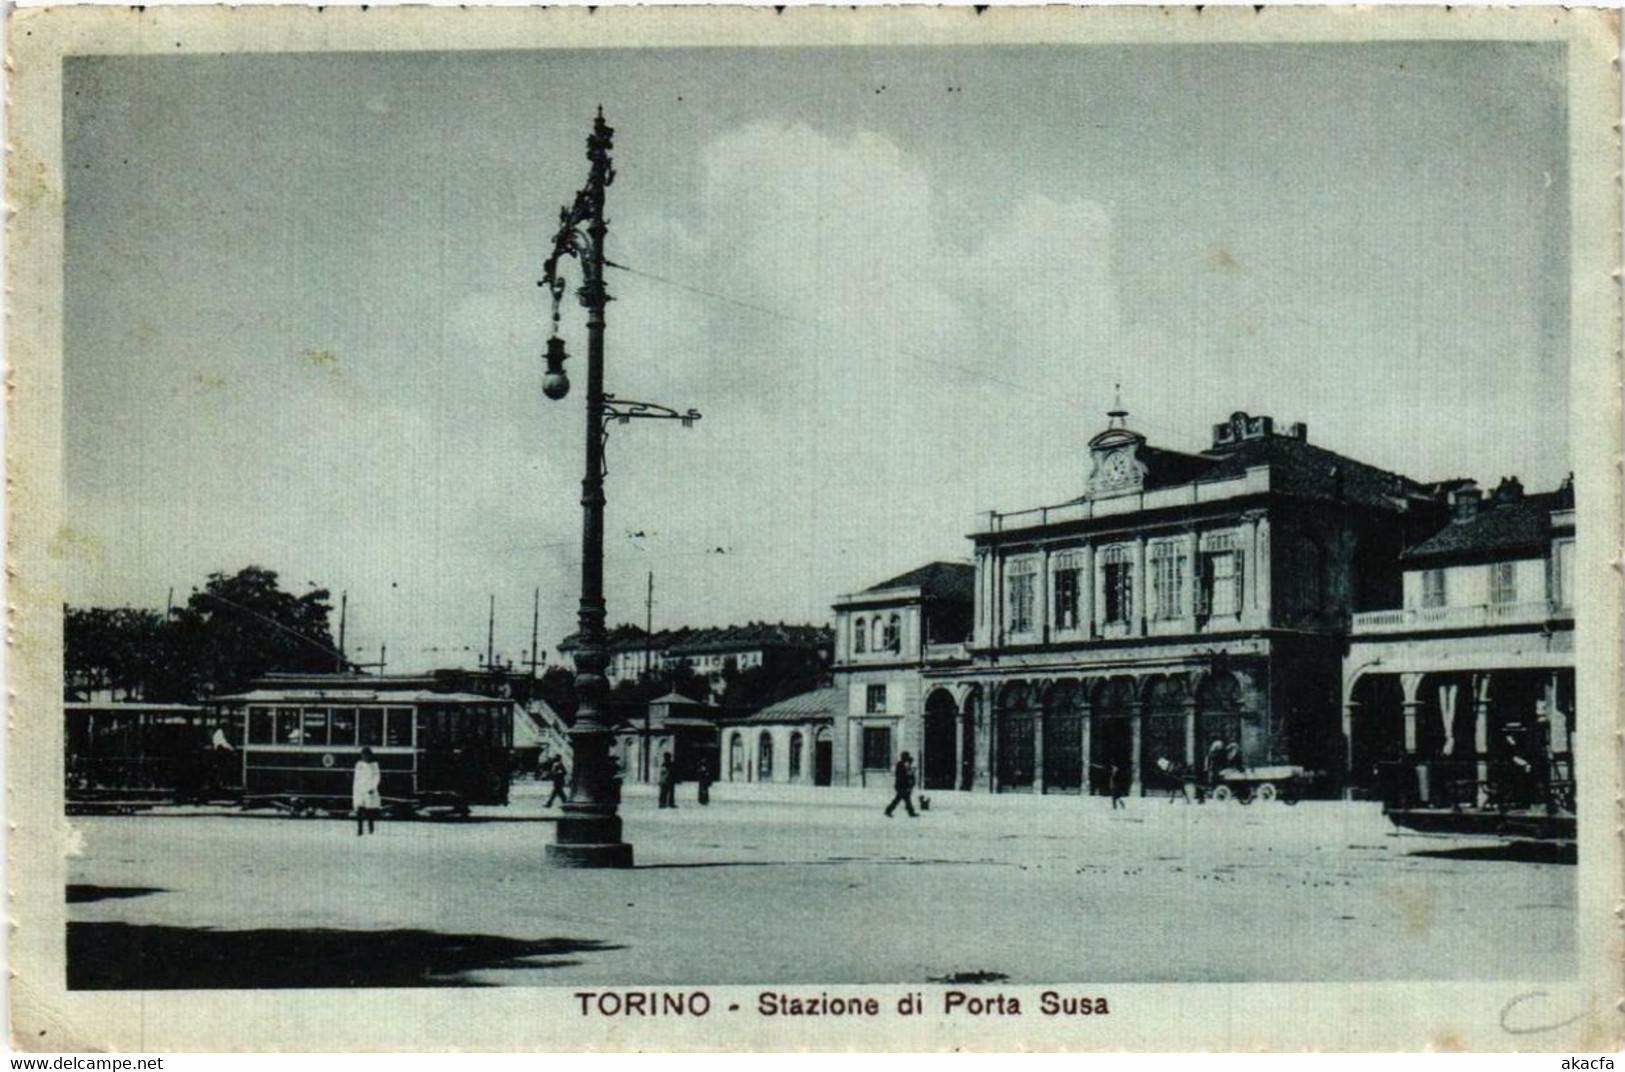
x: 364, y: 793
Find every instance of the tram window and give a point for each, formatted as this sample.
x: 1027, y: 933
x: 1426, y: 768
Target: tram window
x: 372, y: 726
x: 470, y: 723
x: 398, y: 728
x: 287, y: 725
x: 343, y: 726
x: 260, y: 725
x: 314, y: 727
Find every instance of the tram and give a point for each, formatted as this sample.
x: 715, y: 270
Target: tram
x: 120, y: 756
x: 438, y: 751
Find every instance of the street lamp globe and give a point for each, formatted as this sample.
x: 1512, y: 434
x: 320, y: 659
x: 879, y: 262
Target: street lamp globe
x: 555, y: 384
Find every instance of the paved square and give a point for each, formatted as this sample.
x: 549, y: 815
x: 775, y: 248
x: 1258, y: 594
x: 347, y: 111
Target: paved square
x: 813, y: 886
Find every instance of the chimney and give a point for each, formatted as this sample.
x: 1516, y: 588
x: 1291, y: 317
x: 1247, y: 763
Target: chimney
x: 1509, y: 490
x: 1298, y: 430
x: 1464, y: 503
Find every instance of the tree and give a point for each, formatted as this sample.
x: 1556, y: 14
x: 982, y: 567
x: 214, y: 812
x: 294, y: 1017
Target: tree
x: 558, y: 687
x: 244, y: 626
x: 120, y: 649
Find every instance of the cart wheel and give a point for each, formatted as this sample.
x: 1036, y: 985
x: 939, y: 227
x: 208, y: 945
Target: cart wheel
x: 1267, y: 791
x: 1222, y: 793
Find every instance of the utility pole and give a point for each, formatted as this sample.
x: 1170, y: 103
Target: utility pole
x: 648, y: 645
x: 344, y: 610
x: 535, y: 628
x: 491, y: 636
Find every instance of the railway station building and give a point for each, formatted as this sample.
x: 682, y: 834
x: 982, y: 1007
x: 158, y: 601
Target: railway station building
x: 1180, y: 598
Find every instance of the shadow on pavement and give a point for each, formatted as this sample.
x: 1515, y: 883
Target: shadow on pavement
x: 1528, y: 852
x: 121, y: 956
x: 79, y: 894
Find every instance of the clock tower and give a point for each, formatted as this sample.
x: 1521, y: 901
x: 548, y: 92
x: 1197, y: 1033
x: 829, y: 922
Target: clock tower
x: 1114, y: 453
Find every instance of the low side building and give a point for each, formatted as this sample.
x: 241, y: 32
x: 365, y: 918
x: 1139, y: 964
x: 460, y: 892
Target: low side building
x: 789, y: 742
x: 886, y: 636
x: 1474, y: 667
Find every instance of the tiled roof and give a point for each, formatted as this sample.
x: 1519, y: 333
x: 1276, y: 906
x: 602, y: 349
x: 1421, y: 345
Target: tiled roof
x: 938, y: 580
x: 1504, y: 528
x: 1299, y: 468
x: 816, y: 705
x: 750, y: 637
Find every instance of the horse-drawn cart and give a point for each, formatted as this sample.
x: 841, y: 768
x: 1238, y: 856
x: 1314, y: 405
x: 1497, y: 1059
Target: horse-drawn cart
x: 1285, y: 783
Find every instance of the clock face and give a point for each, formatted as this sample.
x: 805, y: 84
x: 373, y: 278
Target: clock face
x: 1117, y: 468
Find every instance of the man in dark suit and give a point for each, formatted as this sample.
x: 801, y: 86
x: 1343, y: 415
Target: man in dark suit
x: 903, y: 784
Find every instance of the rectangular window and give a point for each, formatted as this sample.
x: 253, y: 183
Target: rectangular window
x: 1433, y: 590
x: 1503, y: 582
x: 1021, y: 587
x: 1119, y: 585
x: 313, y: 726
x: 877, y: 748
x: 287, y: 725
x: 398, y: 728
x: 1563, y: 574
x: 372, y: 726
x: 1167, y: 581
x: 1068, y: 592
x: 260, y: 725
x: 1221, y: 583
x: 342, y: 727
x: 876, y: 700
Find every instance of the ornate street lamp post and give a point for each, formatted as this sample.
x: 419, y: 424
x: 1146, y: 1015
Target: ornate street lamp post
x: 589, y: 834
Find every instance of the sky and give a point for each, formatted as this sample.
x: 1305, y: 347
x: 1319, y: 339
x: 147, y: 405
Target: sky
x: 303, y: 329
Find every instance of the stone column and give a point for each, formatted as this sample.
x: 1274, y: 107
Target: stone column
x: 1140, y: 614
x: 1409, y: 685
x: 1348, y: 748
x: 1192, y: 596
x: 1481, y: 730
x: 1260, y: 565
x: 1557, y: 723
x: 1190, y: 734
x: 1086, y: 593
x: 989, y: 694
x: 1038, y: 746
x: 1042, y: 610
x: 1086, y: 722
x: 1136, y: 709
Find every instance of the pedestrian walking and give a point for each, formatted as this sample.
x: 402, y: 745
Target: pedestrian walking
x: 903, y: 785
x: 364, y: 793
x: 1118, y: 776
x: 668, y: 782
x: 704, y: 777
x: 560, y: 779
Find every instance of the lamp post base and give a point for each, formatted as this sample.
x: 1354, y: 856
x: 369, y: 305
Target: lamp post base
x: 589, y: 836
x: 608, y: 854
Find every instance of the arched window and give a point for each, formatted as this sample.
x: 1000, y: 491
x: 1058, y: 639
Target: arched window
x: 736, y: 756
x: 795, y: 757
x: 764, y: 758
x: 894, y: 633
x: 860, y: 636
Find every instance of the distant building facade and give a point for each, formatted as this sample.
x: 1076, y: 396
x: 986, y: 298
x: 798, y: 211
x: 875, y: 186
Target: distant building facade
x: 710, y: 652
x: 886, y: 636
x: 1468, y: 679
x: 790, y: 742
